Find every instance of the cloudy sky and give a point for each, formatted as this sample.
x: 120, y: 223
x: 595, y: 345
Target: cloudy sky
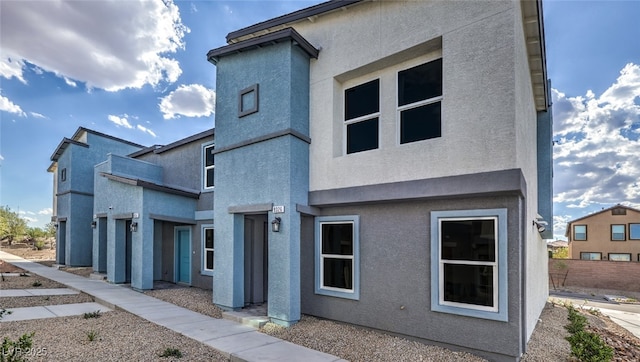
x: 137, y: 70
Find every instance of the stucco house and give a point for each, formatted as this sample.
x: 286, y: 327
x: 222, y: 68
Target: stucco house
x: 388, y: 164
x: 131, y: 213
x: 610, y: 234
x: 72, y: 167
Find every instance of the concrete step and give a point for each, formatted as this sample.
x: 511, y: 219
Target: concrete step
x: 246, y: 319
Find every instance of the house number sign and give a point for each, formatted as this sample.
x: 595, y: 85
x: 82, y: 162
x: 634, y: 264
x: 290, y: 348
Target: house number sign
x: 278, y: 210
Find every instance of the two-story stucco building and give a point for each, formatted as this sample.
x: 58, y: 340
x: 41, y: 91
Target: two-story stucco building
x: 388, y: 164
x: 610, y: 234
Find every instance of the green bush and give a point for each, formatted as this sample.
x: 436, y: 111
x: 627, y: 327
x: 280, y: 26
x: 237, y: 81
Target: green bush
x: 39, y: 244
x: 95, y: 314
x: 15, y: 351
x: 586, y: 346
x: 171, y: 352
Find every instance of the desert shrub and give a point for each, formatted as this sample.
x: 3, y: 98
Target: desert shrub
x: 171, y: 352
x: 586, y: 346
x: 15, y: 351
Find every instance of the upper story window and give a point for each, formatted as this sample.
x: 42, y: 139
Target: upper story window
x: 619, y: 211
x: 618, y: 232
x: 208, y: 167
x: 634, y: 232
x: 361, y: 116
x: 419, y: 102
x: 580, y: 232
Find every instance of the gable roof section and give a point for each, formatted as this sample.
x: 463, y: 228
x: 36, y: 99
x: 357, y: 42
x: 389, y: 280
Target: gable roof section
x: 77, y: 136
x: 184, y: 141
x: 602, y: 211
x: 287, y: 34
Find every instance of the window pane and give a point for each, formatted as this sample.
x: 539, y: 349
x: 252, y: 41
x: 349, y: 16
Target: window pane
x: 337, y: 273
x: 590, y: 256
x: 471, y: 284
x: 620, y: 257
x: 209, y: 259
x: 580, y: 232
x: 210, y: 173
x: 208, y: 156
x: 362, y: 136
x: 208, y: 234
x: 617, y: 232
x: 634, y: 231
x: 468, y: 240
x: 420, y: 83
x: 362, y: 100
x: 420, y: 123
x: 337, y: 239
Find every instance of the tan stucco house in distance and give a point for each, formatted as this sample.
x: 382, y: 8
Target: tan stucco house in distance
x: 610, y: 234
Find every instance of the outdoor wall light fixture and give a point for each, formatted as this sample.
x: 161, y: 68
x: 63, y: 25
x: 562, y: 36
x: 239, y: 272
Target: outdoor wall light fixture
x: 541, y: 225
x: 275, y: 225
x: 94, y: 224
x: 134, y: 227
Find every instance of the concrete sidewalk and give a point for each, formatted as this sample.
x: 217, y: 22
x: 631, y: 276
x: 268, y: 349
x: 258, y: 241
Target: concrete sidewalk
x: 237, y: 342
x: 52, y: 311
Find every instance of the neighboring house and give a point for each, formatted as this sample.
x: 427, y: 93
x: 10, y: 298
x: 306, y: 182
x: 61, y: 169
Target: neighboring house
x: 153, y: 214
x: 610, y: 234
x: 72, y: 168
x: 150, y: 212
x: 388, y: 164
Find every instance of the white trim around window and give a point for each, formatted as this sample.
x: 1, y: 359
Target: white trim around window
x: 207, y: 249
x: 337, y: 246
x: 481, y: 276
x: 208, y: 167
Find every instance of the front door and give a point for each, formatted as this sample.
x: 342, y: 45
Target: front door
x: 255, y: 259
x: 183, y: 255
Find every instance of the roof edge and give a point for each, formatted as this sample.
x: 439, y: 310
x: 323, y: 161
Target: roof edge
x: 305, y: 13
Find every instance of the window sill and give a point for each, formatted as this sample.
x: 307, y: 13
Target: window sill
x: 334, y: 293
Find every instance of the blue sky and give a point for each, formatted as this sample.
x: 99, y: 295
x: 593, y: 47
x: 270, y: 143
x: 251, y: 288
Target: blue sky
x: 138, y: 70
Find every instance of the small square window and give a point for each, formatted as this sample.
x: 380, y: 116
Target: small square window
x: 248, y: 101
x: 580, y: 232
x: 63, y: 174
x: 618, y: 232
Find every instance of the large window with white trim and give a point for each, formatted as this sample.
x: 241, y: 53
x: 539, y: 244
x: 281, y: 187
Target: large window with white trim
x: 361, y: 114
x: 337, y: 256
x: 208, y: 248
x: 469, y: 263
x: 208, y: 165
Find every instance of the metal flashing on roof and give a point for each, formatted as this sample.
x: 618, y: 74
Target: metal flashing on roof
x: 302, y: 14
x: 288, y: 34
x: 152, y: 186
x: 184, y: 141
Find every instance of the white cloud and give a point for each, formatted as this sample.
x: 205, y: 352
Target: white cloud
x: 8, y: 106
x: 107, y: 44
x: 1, y: 158
x: 70, y: 82
x: 47, y: 211
x: 37, y: 115
x: 596, y: 160
x: 146, y: 130
x: 120, y: 121
x: 10, y: 68
x: 193, y: 100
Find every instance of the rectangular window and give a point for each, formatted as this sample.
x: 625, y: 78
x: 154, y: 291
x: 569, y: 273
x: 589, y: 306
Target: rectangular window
x: 619, y: 211
x: 361, y: 115
x: 207, y: 249
x: 580, y: 232
x: 337, y: 256
x: 634, y: 232
x: 63, y: 174
x: 468, y: 256
x: 619, y: 257
x: 618, y: 232
x: 591, y: 256
x: 209, y: 166
x: 419, y: 102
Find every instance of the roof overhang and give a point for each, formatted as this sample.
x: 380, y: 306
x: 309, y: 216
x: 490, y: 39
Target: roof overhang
x: 152, y: 186
x: 63, y: 146
x: 533, y: 21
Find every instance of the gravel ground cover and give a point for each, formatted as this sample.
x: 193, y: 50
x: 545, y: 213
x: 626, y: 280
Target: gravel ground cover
x: 122, y: 336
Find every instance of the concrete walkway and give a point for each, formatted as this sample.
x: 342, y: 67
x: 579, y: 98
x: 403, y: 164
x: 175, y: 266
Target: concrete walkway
x: 237, y: 342
x: 52, y: 311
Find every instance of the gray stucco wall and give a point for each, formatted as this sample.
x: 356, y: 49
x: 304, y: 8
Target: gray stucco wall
x: 395, y: 290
